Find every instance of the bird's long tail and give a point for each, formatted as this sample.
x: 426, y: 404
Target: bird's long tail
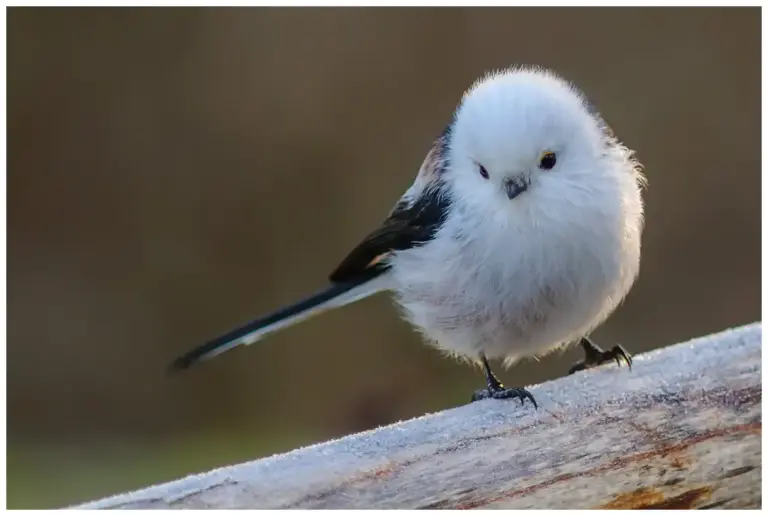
x: 334, y: 296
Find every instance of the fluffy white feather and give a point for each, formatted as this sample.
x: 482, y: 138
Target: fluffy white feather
x: 521, y: 277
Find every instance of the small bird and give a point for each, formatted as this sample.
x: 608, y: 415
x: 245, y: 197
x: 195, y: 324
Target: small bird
x: 520, y: 234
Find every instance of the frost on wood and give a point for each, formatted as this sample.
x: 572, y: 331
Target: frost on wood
x: 681, y: 430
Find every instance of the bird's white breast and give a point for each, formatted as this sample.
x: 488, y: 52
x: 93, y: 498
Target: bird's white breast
x: 520, y: 284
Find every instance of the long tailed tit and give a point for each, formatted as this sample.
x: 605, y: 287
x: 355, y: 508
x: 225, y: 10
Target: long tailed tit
x: 520, y: 234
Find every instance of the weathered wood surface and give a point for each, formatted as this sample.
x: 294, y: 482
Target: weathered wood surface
x: 681, y: 430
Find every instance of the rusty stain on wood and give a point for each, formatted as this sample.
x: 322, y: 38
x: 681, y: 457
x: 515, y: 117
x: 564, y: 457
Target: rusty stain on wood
x: 686, y: 500
x: 647, y: 498
x: 636, y: 499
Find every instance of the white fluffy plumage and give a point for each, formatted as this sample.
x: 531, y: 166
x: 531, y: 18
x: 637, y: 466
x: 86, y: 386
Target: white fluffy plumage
x: 521, y: 277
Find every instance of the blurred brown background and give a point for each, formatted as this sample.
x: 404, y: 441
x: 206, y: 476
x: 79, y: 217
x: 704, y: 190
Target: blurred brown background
x: 175, y: 172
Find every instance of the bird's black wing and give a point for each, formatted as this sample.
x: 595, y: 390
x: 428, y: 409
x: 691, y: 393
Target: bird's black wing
x: 413, y: 221
x: 410, y: 223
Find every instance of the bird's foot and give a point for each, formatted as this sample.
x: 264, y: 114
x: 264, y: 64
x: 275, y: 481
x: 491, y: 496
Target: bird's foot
x: 501, y: 393
x: 497, y: 391
x: 595, y: 356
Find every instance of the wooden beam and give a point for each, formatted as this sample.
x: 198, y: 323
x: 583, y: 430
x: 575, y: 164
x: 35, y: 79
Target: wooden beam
x: 681, y: 430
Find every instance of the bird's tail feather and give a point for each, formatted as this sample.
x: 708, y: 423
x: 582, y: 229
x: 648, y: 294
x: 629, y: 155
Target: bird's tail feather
x: 334, y: 296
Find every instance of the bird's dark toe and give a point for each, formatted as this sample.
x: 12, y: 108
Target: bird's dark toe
x: 595, y: 356
x: 516, y: 392
x: 619, y: 353
x: 504, y: 394
x: 481, y: 394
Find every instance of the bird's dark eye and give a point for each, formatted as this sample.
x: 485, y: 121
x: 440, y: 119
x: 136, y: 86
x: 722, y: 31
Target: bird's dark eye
x: 547, y: 161
x: 483, y: 172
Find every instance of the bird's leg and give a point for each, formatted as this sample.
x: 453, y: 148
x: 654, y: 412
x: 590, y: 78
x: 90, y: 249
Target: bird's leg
x: 496, y: 390
x: 595, y: 356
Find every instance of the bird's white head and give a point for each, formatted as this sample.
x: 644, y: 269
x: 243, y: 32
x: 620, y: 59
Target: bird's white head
x: 524, y: 135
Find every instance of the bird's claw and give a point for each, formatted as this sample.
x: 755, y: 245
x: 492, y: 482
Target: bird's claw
x: 595, y: 356
x: 503, y: 394
x: 619, y: 353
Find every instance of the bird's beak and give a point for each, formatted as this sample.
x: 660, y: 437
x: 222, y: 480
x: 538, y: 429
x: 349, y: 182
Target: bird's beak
x: 515, y: 186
